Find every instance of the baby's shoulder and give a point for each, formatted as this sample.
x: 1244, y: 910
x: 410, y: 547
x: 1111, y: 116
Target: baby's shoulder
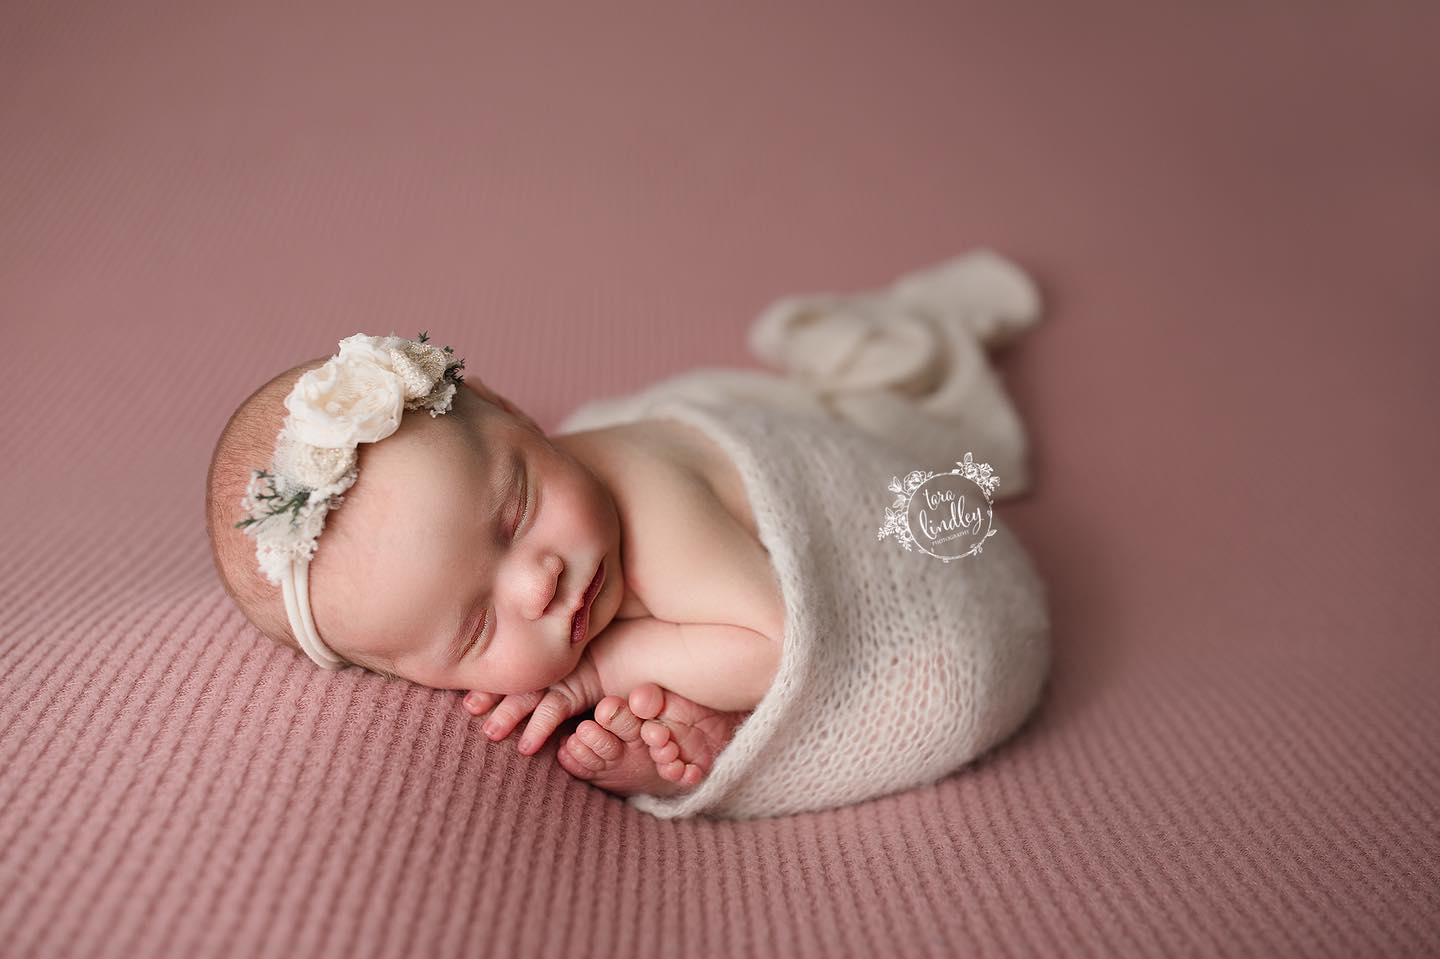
x: 691, y: 549
x: 690, y: 451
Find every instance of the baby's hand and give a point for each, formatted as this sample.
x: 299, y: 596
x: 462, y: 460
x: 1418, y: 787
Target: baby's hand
x: 551, y: 706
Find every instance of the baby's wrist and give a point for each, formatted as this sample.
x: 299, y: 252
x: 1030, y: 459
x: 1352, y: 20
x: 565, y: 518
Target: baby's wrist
x: 609, y: 670
x: 625, y: 651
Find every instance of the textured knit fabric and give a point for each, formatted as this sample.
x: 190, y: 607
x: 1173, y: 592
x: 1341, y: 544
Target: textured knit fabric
x: 895, y: 668
x: 1231, y: 211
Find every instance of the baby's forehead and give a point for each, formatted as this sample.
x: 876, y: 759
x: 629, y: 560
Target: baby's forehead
x: 420, y: 477
x: 392, y: 523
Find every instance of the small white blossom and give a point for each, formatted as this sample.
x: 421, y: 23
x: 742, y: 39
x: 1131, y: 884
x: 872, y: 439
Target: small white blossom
x: 312, y: 466
x: 282, y: 539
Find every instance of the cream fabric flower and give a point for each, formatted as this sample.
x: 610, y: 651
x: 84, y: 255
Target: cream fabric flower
x: 419, y: 365
x: 437, y: 401
x: 375, y: 349
x: 354, y: 398
x: 322, y: 468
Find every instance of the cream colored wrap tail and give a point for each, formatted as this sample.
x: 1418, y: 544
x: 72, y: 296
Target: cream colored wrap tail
x: 906, y: 364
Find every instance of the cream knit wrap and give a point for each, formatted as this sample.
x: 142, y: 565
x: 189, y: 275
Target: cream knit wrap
x: 896, y: 669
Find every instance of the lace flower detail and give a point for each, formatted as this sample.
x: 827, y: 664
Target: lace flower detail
x: 315, y: 467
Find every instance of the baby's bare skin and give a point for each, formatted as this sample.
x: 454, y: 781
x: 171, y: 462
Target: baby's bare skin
x: 658, y: 743
x: 465, y: 550
x: 673, y: 488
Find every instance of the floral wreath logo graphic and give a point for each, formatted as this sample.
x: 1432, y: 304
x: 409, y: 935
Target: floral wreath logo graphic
x: 934, y: 505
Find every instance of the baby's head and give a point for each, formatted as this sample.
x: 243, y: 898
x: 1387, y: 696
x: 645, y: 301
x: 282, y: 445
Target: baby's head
x: 415, y: 574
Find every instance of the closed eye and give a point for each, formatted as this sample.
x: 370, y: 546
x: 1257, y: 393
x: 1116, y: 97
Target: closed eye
x: 524, y: 508
x: 478, y: 633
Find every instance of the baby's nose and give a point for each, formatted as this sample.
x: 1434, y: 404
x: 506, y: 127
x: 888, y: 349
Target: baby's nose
x: 550, y: 596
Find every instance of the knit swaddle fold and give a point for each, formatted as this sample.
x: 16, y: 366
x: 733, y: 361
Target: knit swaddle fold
x: 896, y: 668
x: 906, y: 364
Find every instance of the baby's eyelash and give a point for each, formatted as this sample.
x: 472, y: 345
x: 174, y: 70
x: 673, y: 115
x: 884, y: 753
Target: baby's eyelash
x: 478, y: 634
x: 524, y: 505
x: 524, y: 512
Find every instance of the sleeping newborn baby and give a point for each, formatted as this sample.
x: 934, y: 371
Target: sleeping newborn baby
x: 616, y: 570
x: 700, y: 563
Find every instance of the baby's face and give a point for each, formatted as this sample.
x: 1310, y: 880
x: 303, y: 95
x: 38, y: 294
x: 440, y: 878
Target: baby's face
x: 464, y: 550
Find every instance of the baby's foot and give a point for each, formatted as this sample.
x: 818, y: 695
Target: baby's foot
x: 659, y: 743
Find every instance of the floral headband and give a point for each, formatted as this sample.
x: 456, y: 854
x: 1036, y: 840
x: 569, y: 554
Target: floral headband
x: 357, y: 396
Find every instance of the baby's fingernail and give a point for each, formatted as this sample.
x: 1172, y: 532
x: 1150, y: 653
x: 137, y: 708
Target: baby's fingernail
x: 472, y: 701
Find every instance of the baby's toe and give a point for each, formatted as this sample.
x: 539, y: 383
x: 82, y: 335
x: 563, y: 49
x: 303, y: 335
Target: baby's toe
x: 679, y: 771
x: 666, y: 753
x: 654, y: 732
x: 647, y: 700
x: 614, y: 715
x: 578, y: 759
x: 601, y: 741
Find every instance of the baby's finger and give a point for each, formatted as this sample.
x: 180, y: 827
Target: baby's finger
x: 553, y: 710
x: 479, y: 703
x: 508, y: 714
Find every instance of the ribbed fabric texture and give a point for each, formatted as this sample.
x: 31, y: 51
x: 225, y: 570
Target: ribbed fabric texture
x: 896, y: 669
x: 1231, y: 405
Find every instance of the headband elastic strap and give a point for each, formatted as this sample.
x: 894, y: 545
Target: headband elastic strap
x: 296, y: 584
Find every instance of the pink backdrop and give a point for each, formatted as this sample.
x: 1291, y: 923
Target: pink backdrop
x: 1234, y: 218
